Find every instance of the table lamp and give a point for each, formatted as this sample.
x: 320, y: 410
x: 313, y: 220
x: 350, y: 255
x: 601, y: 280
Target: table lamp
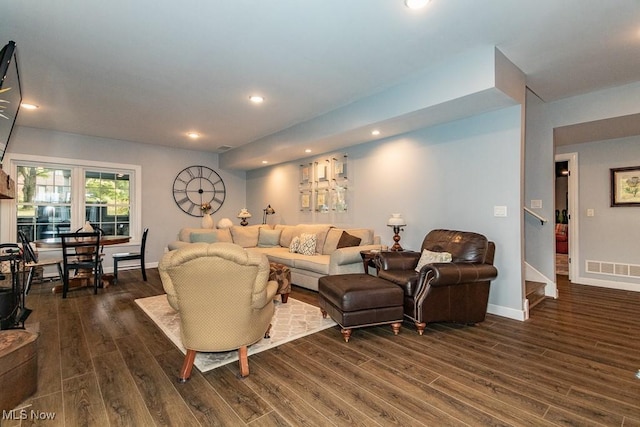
x: 243, y: 215
x: 397, y: 222
x: 267, y: 211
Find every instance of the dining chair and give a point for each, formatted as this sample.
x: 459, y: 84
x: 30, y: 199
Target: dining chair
x: 62, y: 228
x: 81, y: 252
x: 95, y: 227
x: 128, y: 256
x: 31, y: 261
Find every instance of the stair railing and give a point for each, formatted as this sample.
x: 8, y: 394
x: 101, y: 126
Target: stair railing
x: 535, y: 215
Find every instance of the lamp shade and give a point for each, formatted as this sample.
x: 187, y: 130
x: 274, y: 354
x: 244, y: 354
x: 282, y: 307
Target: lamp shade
x: 396, y: 220
x: 225, y: 223
x: 244, y: 213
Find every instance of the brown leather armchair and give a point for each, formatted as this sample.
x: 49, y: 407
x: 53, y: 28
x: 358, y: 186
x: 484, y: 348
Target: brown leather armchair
x: 224, y: 298
x: 456, y: 291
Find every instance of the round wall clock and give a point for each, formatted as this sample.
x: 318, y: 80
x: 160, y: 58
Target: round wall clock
x: 197, y: 185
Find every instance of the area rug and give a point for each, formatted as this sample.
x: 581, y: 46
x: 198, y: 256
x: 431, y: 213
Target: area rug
x: 291, y: 321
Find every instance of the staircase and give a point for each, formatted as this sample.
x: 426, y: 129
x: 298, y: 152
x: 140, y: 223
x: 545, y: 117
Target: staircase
x: 534, y: 292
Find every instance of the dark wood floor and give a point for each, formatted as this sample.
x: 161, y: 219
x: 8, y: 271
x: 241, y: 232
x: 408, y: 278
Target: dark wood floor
x: 103, y: 362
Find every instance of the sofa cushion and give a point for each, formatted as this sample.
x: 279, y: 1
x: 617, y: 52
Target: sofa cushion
x: 334, y: 235
x: 286, y: 234
x: 429, y: 257
x: 348, y: 240
x: 206, y: 237
x: 247, y: 237
x: 317, y: 264
x: 308, y: 244
x: 268, y: 238
x: 185, y: 233
x: 295, y: 245
x: 320, y: 230
x: 464, y: 246
x: 224, y: 235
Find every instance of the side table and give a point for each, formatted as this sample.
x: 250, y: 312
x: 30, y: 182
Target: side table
x: 368, y: 259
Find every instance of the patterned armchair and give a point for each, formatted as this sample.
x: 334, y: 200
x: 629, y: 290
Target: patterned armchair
x: 224, y: 298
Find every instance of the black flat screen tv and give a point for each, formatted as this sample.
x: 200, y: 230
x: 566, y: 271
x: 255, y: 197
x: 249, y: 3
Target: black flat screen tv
x: 10, y: 94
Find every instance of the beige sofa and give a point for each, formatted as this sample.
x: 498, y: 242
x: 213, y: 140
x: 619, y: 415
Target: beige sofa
x: 274, y: 242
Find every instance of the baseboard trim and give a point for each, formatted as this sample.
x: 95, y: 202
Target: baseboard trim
x: 508, y: 312
x: 624, y: 286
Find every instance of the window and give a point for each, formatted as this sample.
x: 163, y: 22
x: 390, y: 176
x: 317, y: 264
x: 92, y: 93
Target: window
x: 43, y: 200
x: 107, y: 201
x: 60, y: 195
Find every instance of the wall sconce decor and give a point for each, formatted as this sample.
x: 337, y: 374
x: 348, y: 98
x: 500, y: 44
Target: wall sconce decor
x: 243, y: 215
x: 267, y: 211
x: 397, y: 222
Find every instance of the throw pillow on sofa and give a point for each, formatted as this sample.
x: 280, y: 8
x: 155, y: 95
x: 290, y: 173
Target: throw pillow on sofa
x: 307, y: 244
x: 347, y: 240
x: 203, y: 237
x: 429, y: 257
x: 268, y: 238
x: 247, y: 237
x: 295, y: 245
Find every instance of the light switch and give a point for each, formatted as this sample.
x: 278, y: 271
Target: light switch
x: 499, y: 211
x: 590, y: 212
x: 536, y: 204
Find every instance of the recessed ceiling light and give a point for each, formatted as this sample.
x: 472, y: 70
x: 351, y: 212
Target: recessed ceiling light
x: 307, y: 150
x: 256, y: 99
x: 29, y: 106
x: 193, y: 135
x: 264, y: 162
x: 416, y: 4
x: 375, y: 132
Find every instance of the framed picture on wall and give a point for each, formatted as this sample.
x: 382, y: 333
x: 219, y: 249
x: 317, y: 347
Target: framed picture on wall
x: 625, y: 186
x: 306, y: 174
x: 305, y: 200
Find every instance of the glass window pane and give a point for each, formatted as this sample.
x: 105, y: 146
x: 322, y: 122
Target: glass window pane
x: 107, y: 200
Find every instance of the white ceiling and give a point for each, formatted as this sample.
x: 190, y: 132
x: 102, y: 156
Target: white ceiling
x: 151, y: 70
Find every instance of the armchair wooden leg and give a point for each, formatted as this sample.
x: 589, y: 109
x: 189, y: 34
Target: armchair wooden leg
x: 346, y: 334
x: 187, y: 365
x: 420, y: 327
x: 243, y: 360
x: 395, y: 327
x: 324, y: 313
x: 267, y: 333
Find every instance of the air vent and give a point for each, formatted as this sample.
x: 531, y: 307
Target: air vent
x: 224, y: 147
x: 613, y: 268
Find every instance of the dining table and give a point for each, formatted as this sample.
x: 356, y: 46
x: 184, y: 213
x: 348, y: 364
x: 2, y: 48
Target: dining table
x: 82, y: 278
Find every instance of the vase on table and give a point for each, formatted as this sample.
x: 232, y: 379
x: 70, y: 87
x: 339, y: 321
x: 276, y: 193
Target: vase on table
x: 207, y: 221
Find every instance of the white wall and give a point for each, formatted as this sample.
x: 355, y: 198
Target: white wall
x: 160, y: 165
x: 448, y: 176
x: 539, y: 185
x: 541, y: 120
x: 613, y: 233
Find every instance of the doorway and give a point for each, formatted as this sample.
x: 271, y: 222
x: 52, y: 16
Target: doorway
x: 566, y: 221
x: 562, y: 217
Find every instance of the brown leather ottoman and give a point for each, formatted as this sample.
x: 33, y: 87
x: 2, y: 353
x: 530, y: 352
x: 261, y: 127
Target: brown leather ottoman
x: 358, y: 300
x: 281, y: 274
